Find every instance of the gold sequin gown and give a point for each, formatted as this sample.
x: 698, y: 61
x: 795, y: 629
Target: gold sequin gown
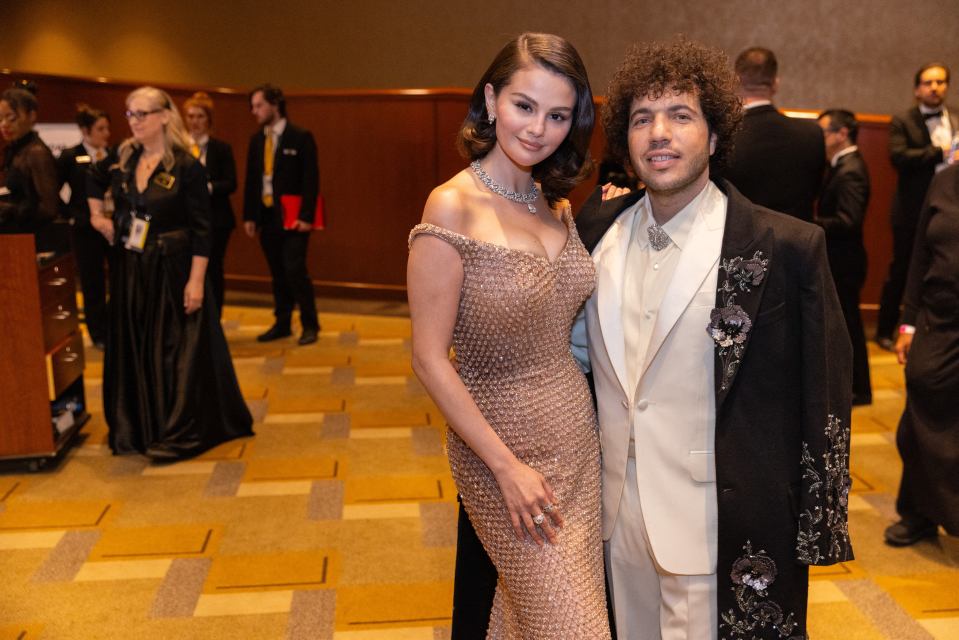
x: 511, y: 339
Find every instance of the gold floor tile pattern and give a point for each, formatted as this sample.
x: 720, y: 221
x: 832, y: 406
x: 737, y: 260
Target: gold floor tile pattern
x: 337, y: 520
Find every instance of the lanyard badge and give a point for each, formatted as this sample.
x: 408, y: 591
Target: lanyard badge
x: 139, y: 228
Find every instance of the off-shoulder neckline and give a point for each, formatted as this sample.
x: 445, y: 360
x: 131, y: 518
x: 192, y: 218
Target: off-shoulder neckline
x: 566, y: 217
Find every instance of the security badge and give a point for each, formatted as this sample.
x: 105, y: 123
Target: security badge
x: 139, y: 228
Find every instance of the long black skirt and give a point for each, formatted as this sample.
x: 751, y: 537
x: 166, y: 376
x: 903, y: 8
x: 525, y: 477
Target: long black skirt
x: 168, y: 378
x: 928, y: 434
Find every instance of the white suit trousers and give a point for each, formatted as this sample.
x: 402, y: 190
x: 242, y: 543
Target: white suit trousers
x: 648, y: 602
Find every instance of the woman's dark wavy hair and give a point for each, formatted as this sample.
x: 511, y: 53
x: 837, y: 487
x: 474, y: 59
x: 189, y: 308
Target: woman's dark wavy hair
x: 87, y: 116
x: 653, y: 69
x: 570, y: 163
x: 20, y: 97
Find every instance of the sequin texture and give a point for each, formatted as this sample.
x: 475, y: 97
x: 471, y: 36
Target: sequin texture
x: 512, y: 344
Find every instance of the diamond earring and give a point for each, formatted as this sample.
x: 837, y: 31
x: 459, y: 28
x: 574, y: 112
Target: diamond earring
x: 491, y: 118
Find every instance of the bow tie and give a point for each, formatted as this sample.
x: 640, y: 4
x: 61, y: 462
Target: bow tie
x: 930, y: 116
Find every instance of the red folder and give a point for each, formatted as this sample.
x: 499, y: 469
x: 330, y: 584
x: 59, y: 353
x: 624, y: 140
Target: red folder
x: 291, y: 211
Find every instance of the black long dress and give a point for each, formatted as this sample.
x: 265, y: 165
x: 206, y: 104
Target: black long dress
x: 928, y: 435
x: 169, y: 388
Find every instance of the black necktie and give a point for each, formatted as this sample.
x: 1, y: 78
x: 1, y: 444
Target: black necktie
x: 930, y: 116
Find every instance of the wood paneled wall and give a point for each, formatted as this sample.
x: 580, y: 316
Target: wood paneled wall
x: 380, y: 153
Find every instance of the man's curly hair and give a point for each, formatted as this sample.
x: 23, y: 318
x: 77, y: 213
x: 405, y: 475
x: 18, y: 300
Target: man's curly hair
x: 653, y: 69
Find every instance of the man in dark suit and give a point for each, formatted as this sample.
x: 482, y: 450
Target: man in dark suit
x: 842, y: 209
x: 282, y: 170
x: 721, y: 373
x: 777, y: 161
x: 919, y: 145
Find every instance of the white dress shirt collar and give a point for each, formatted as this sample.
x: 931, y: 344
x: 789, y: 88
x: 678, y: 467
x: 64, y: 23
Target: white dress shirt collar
x: 756, y: 103
x: 677, y: 228
x: 841, y: 153
x: 92, y: 151
x: 276, y: 129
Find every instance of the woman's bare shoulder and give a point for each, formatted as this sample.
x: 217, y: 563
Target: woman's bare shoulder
x: 448, y: 205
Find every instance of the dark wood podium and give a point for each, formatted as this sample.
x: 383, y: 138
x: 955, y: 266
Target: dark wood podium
x: 42, y: 401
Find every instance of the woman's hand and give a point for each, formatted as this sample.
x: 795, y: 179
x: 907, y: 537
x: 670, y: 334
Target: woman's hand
x: 529, y: 498
x: 611, y: 191
x: 103, y: 225
x: 192, y: 295
x: 903, y: 344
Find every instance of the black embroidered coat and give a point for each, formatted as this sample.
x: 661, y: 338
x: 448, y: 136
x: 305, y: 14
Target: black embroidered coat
x: 783, y: 408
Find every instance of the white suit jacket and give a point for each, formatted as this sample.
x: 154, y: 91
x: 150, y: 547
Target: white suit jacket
x: 672, y: 408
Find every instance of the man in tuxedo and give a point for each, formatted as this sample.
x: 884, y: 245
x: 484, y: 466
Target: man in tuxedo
x: 919, y: 145
x: 721, y: 371
x: 842, y: 209
x: 777, y: 161
x: 282, y: 171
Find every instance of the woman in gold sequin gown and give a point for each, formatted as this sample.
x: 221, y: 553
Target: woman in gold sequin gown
x: 497, y: 271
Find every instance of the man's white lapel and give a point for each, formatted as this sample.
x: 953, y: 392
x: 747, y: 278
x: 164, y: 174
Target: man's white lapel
x: 610, y: 259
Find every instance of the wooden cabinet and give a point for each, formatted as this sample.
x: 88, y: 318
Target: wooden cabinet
x: 42, y: 401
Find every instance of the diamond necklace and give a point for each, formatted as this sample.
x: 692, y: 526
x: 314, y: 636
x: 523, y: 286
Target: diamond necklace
x: 527, y: 198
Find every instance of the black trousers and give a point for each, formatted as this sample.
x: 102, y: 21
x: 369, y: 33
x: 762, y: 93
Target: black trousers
x: 90, y: 250
x: 220, y: 237
x: 474, y: 585
x: 285, y: 253
x: 903, y: 236
x: 849, y: 301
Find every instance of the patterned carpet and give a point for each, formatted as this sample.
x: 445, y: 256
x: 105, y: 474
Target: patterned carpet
x: 337, y: 520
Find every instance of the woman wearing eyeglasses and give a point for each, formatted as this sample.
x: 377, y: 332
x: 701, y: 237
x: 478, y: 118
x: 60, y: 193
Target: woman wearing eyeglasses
x: 28, y: 195
x: 169, y: 389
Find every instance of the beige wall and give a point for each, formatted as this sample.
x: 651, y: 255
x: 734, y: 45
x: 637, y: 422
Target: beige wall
x: 860, y: 55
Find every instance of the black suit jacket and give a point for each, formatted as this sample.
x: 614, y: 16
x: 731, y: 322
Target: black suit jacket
x: 842, y: 210
x: 221, y: 169
x: 915, y: 158
x: 295, y: 172
x: 783, y: 410
x: 778, y: 161
x: 73, y: 165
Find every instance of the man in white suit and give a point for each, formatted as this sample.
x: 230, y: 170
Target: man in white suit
x: 724, y: 476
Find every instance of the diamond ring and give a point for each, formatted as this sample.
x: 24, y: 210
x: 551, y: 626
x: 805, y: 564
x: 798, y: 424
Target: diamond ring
x: 548, y: 508
x: 539, y: 518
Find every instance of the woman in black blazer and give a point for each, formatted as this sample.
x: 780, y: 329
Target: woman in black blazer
x: 169, y: 388
x: 217, y: 156
x: 89, y: 246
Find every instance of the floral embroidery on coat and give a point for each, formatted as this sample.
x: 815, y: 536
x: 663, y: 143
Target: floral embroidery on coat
x: 830, y: 485
x: 752, y: 574
x: 729, y: 324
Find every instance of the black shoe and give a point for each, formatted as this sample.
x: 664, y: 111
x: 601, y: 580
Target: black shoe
x: 886, y: 343
x: 274, y: 333
x: 309, y: 336
x: 908, y: 532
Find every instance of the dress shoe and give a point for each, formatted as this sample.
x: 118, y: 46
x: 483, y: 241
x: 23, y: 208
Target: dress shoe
x: 309, y: 336
x: 886, y: 343
x: 908, y: 532
x: 274, y: 333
